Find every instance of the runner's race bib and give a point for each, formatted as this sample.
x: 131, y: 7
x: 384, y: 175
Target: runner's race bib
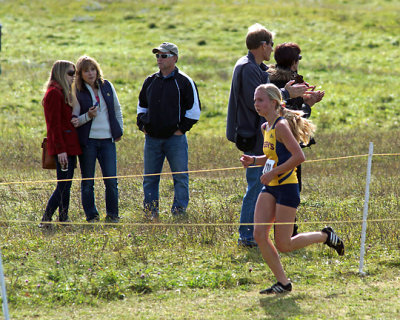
x: 269, y: 165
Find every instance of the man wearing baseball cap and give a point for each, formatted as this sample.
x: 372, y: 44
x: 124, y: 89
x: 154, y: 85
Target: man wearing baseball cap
x: 166, y: 47
x: 168, y: 107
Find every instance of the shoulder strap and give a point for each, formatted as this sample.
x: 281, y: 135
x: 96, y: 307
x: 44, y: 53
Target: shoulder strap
x: 276, y: 120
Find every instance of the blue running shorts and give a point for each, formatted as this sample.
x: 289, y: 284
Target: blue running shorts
x: 286, y: 194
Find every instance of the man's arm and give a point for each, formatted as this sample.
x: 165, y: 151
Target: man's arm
x: 193, y: 108
x: 250, y: 79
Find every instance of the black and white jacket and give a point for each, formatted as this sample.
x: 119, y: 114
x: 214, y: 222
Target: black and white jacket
x: 167, y: 104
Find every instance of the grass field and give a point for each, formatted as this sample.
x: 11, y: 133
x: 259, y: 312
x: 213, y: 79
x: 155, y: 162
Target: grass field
x: 192, y: 269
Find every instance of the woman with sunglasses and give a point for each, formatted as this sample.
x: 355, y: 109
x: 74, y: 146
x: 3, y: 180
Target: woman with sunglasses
x: 98, y: 118
x: 287, y: 57
x: 62, y: 137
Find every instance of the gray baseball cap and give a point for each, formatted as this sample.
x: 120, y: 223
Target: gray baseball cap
x: 166, y: 47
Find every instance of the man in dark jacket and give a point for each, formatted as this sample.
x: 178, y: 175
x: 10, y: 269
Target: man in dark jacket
x: 244, y: 123
x: 168, y: 107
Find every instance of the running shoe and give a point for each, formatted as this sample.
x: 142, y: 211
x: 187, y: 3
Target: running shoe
x: 334, y: 241
x: 277, y: 288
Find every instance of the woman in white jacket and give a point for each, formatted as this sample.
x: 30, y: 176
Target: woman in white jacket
x: 98, y: 119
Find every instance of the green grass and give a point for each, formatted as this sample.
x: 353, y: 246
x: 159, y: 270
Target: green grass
x: 350, y: 50
x: 192, y: 268
x: 138, y: 270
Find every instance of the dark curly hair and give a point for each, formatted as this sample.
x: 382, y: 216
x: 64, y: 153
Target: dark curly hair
x: 286, y: 54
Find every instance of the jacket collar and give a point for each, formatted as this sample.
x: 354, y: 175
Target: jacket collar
x: 251, y: 57
x: 280, y: 74
x: 171, y: 75
x: 55, y: 84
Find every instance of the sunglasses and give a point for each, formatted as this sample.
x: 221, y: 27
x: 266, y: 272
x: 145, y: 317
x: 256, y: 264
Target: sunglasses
x: 268, y: 43
x: 164, y: 56
x: 71, y: 73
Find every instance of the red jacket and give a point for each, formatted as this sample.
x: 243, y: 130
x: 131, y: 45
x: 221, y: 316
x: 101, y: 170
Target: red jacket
x: 61, y: 134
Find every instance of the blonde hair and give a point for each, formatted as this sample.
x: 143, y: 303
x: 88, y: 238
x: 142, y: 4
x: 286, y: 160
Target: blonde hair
x: 83, y: 63
x: 58, y: 74
x: 302, y: 128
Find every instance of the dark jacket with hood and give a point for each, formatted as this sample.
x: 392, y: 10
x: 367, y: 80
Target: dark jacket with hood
x: 279, y: 77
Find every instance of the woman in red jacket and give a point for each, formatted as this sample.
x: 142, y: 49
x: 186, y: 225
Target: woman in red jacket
x: 62, y: 137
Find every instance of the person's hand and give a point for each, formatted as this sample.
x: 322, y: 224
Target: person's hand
x: 295, y: 90
x: 63, y: 159
x: 319, y: 95
x: 266, y: 178
x: 178, y: 133
x: 312, y: 97
x: 92, y: 112
x: 75, y: 122
x: 118, y: 139
x: 310, y: 87
x: 246, y: 160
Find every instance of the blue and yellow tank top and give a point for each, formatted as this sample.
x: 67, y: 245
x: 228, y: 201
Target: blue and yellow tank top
x: 277, y: 152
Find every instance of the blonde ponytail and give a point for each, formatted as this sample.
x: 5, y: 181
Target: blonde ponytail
x: 302, y: 128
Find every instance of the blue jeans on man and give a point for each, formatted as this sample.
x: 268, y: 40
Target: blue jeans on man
x: 254, y: 187
x: 175, y: 149
x: 103, y: 150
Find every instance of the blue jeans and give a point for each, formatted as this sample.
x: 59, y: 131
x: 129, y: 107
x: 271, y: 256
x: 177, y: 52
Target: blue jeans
x: 60, y: 197
x: 175, y: 148
x: 254, y: 187
x: 104, y: 150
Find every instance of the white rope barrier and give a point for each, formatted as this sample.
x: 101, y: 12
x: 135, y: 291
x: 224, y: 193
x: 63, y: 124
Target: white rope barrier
x: 364, y: 220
